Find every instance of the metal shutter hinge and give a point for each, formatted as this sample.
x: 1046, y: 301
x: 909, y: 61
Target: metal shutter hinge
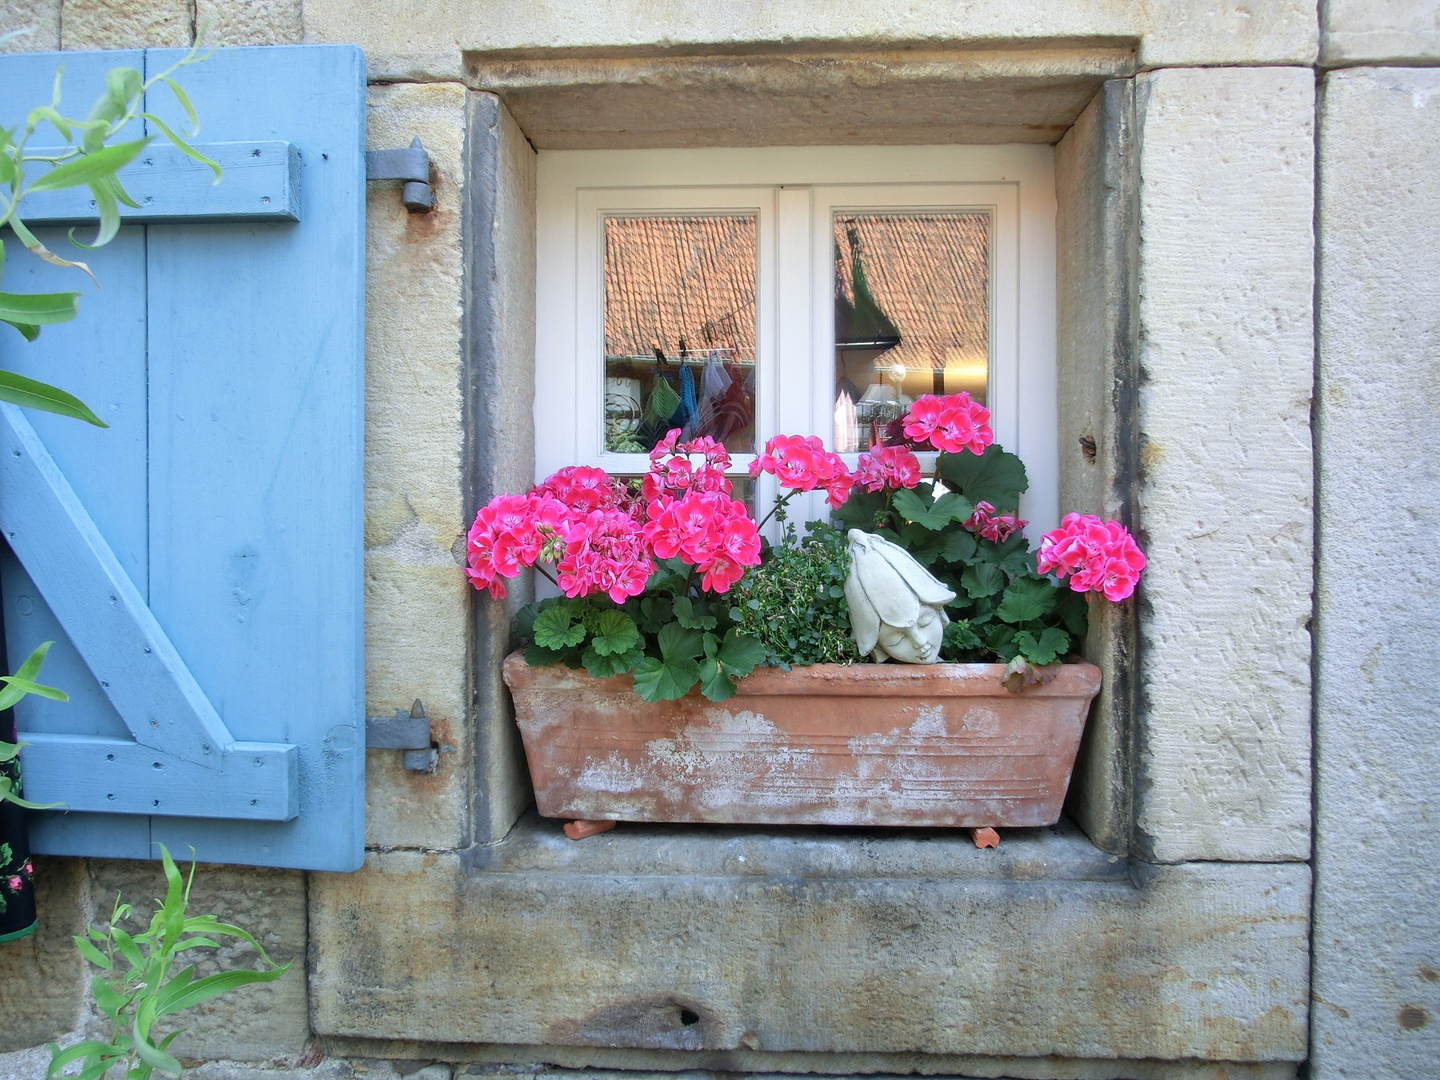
x: 406, y: 731
x: 411, y: 165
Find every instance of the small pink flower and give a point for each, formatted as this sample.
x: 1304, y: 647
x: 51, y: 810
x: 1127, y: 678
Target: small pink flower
x: 1097, y: 556
x: 28, y: 869
x: 801, y: 463
x: 951, y: 423
x: 15, y: 884
x: 887, y: 467
x: 985, y: 523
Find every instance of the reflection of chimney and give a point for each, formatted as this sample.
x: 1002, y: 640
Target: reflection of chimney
x: 860, y: 325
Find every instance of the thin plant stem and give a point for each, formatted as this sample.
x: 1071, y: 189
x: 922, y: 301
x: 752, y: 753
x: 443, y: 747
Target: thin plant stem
x: 781, y: 501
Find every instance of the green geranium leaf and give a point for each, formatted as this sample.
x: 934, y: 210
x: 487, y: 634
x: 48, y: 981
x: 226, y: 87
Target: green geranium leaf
x: 1027, y: 599
x: 655, y: 612
x: 603, y: 667
x: 740, y: 653
x: 982, y: 579
x: 556, y: 628
x: 957, y: 546
x: 612, y: 633
x: 539, y: 656
x: 1050, y: 645
x: 678, y: 643
x: 933, y: 516
x: 994, y: 477
x: 665, y: 680
x: 693, y: 616
x: 1073, y: 611
x: 715, y: 683
x: 1000, y: 639
x: 861, y: 509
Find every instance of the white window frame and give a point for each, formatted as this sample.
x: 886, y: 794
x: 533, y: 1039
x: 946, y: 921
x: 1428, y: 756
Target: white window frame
x: 794, y: 191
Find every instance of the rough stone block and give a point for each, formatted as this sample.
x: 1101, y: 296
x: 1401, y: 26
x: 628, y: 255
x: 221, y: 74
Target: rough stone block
x: 250, y: 22
x: 1225, y: 298
x: 500, y: 404
x: 1377, y: 939
x: 124, y: 24
x: 1096, y: 361
x: 431, y: 42
x: 251, y: 1023
x: 1361, y: 31
x: 41, y: 17
x: 416, y: 603
x: 737, y: 941
x: 42, y: 981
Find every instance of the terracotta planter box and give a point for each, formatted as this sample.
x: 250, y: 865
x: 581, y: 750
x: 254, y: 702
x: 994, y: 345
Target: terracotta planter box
x: 868, y: 744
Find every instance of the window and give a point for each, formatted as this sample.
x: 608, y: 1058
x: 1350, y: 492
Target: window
x: 745, y: 293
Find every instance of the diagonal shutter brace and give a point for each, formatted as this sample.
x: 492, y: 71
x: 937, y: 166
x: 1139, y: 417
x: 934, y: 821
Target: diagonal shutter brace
x: 412, y: 165
x: 408, y: 731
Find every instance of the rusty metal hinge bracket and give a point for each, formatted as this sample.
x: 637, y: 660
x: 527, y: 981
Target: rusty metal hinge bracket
x: 412, y: 165
x: 407, y: 731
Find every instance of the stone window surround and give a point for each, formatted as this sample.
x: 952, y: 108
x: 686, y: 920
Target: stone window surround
x: 1096, y: 185
x: 542, y: 917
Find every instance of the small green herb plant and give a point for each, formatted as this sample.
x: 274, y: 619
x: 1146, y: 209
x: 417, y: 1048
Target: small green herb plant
x: 16, y: 687
x: 137, y: 986
x: 793, y: 603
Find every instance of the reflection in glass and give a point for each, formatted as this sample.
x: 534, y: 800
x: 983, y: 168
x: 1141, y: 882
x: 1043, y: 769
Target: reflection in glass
x: 911, y: 317
x: 680, y: 330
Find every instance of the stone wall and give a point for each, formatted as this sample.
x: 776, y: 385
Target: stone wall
x: 456, y: 943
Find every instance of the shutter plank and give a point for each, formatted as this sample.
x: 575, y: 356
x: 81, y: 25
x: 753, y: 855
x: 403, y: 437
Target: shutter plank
x: 261, y: 183
x: 256, y: 404
x: 251, y: 781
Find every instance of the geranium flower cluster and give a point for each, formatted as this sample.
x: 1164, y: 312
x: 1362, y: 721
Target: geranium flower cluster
x: 801, y: 463
x: 674, y: 473
x: 707, y: 530
x: 604, y: 538
x: 1097, y: 556
x: 986, y: 523
x: 887, y: 467
x: 951, y: 423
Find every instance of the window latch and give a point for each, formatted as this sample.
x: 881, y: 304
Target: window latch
x: 407, y: 731
x: 412, y: 165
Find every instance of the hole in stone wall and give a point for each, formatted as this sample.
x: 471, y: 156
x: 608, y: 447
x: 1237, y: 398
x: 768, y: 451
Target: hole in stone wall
x: 688, y: 1018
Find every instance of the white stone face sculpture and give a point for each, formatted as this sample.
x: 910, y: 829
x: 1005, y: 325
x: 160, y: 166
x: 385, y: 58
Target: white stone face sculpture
x: 897, y: 608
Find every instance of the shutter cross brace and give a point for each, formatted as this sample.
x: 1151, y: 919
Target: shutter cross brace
x: 412, y: 165
x: 408, y: 731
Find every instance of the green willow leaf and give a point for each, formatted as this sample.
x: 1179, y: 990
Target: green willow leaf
x: 28, y: 331
x: 180, y: 144
x: 38, y: 309
x: 96, y: 165
x: 18, y: 390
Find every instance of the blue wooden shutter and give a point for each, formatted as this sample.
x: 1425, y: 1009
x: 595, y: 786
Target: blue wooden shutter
x: 198, y: 564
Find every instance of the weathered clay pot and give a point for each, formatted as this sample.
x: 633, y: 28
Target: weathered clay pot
x: 868, y: 744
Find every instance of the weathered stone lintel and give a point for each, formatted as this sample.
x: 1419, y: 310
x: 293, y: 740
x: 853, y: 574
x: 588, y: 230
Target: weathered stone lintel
x: 727, y: 939
x: 805, y: 97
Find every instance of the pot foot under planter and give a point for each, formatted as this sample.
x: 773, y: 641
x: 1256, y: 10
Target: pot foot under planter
x: 865, y: 744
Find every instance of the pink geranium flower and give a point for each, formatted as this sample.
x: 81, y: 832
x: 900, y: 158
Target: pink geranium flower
x: 951, y: 423
x: 986, y: 523
x: 801, y: 463
x: 887, y: 467
x: 1097, y: 556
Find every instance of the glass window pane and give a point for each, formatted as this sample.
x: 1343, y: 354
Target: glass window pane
x: 680, y: 329
x: 911, y: 316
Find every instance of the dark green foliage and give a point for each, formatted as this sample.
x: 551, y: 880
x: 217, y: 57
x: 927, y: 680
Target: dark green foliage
x: 670, y: 638
x: 1003, y: 609
x: 794, y: 603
